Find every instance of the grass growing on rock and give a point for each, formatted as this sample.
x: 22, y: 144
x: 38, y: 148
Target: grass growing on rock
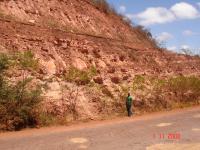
x: 158, y: 94
x: 80, y: 77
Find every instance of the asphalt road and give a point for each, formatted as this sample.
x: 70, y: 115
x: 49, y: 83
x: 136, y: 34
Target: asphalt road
x: 176, y: 130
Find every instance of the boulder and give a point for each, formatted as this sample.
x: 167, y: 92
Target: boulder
x: 115, y: 79
x: 101, y: 64
x: 49, y: 66
x: 79, y: 64
x: 123, y: 70
x: 98, y: 80
x: 125, y: 77
x: 31, y: 21
x: 122, y: 57
x: 84, y: 51
x: 54, y: 91
x: 111, y: 70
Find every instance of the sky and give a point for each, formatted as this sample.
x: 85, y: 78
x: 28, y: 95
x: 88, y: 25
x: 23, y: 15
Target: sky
x: 174, y: 23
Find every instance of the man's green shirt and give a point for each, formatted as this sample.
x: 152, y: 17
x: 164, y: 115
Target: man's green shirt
x: 129, y: 100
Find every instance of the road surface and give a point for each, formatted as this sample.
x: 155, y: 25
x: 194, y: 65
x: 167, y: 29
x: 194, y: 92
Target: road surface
x: 175, y: 130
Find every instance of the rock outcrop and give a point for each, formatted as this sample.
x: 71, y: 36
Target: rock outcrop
x: 106, y: 52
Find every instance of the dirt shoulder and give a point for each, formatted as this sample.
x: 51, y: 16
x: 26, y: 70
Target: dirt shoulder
x: 91, y: 124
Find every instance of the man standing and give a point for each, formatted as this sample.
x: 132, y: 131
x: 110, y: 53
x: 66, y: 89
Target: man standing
x: 129, y: 101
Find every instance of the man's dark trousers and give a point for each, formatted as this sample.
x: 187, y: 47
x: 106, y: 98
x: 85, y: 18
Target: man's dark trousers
x: 128, y: 107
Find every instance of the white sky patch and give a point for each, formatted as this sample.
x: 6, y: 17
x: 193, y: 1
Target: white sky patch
x: 196, y: 51
x: 161, y: 15
x: 188, y: 33
x: 130, y: 16
x: 164, y: 36
x: 184, y: 10
x: 155, y: 15
x: 185, y: 47
x: 122, y: 9
x: 173, y: 48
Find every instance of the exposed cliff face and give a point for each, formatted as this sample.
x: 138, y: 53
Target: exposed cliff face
x: 80, y: 16
x: 113, y: 62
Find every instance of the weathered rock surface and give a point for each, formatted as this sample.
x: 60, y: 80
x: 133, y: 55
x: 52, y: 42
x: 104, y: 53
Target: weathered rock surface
x: 84, y: 37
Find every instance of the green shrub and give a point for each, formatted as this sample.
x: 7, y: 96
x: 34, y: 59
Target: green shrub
x: 146, y: 34
x: 19, y: 101
x: 18, y: 106
x: 104, y: 6
x: 138, y: 82
x: 168, y: 93
x: 46, y: 119
x: 80, y: 76
x: 26, y: 60
x: 185, y: 88
x: 4, y: 62
x: 93, y: 71
x: 144, y: 31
